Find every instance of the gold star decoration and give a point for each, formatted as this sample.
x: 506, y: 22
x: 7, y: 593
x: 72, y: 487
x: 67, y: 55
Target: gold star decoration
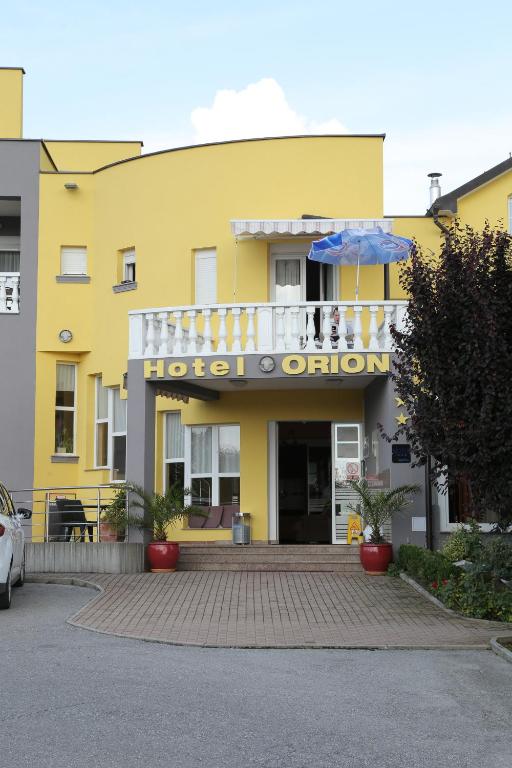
x: 399, y: 402
x: 402, y: 418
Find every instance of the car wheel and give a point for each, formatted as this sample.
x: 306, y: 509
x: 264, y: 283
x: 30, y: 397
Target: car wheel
x: 21, y: 579
x: 5, y: 597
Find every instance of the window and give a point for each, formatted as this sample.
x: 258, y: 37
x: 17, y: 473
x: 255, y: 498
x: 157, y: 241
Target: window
x: 174, y: 457
x: 73, y: 261
x: 510, y: 215
x: 101, y: 425
x: 110, y: 431
x: 128, y: 275
x: 212, y: 464
x: 118, y: 436
x: 348, y: 453
x: 9, y: 261
x: 206, y: 276
x: 65, y: 408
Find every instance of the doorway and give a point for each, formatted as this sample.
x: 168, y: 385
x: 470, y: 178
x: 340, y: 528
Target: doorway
x: 304, y: 482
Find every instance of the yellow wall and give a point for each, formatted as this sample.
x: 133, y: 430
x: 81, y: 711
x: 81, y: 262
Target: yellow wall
x: 11, y: 103
x: 487, y: 202
x: 167, y: 205
x: 89, y: 155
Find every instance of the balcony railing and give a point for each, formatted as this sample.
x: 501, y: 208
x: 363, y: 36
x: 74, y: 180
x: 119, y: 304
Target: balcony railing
x: 9, y: 292
x: 362, y: 326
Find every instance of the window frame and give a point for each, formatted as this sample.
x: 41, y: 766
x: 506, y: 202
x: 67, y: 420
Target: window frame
x: 113, y: 434
x: 204, y: 254
x: 74, y: 248
x: 98, y: 382
x: 214, y: 475
x: 129, y: 259
x: 167, y: 461
x: 67, y: 408
x: 510, y: 214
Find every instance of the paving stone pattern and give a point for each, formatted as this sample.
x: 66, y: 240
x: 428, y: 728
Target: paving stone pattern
x: 275, y: 610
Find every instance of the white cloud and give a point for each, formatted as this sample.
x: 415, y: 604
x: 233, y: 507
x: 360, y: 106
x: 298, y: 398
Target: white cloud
x: 260, y: 109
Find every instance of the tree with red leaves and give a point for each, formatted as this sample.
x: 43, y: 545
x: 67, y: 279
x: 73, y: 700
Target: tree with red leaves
x: 453, y: 363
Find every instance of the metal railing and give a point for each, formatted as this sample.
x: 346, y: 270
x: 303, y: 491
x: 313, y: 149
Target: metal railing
x: 47, y: 523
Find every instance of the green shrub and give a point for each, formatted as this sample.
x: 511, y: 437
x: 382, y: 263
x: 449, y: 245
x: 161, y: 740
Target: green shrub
x: 464, y: 543
x: 425, y: 566
x: 474, y: 594
x: 496, y: 555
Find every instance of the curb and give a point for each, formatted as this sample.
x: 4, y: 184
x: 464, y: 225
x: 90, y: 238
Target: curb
x: 500, y: 649
x: 442, y: 606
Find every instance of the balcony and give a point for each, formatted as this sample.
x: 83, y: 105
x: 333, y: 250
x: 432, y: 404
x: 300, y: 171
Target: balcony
x: 9, y: 292
x: 264, y: 328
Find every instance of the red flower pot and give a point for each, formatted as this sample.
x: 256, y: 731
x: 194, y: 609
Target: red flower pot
x: 375, y: 558
x: 163, y: 556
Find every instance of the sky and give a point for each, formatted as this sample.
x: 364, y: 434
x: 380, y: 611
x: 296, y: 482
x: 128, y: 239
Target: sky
x: 436, y: 78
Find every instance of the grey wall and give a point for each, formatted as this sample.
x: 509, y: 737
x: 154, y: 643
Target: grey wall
x: 380, y: 408
x: 19, y: 177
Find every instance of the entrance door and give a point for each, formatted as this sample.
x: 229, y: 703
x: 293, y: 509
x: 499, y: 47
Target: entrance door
x: 347, y: 456
x: 304, y: 482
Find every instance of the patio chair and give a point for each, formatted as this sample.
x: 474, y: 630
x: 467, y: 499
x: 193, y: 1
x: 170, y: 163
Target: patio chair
x: 73, y: 516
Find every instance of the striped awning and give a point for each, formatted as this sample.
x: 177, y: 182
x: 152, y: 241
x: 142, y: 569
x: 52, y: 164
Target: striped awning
x: 267, y: 229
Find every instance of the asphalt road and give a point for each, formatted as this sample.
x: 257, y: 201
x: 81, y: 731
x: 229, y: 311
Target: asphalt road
x: 76, y: 699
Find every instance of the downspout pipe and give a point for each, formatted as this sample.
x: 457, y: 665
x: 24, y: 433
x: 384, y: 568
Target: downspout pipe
x: 429, y: 512
x: 435, y: 215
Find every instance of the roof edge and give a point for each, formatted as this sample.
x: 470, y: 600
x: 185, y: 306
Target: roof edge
x: 449, y: 201
x: 18, y: 69
x: 242, y: 141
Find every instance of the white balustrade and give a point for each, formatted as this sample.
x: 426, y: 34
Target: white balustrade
x: 255, y: 328
x: 9, y: 293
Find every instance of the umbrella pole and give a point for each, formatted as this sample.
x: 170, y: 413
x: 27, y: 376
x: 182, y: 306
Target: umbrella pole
x: 357, y: 280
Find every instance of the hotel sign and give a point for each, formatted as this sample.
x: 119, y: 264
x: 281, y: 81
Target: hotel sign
x: 266, y: 366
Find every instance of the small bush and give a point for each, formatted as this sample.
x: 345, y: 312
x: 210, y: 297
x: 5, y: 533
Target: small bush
x: 496, y: 554
x: 473, y: 594
x: 423, y: 565
x: 464, y: 543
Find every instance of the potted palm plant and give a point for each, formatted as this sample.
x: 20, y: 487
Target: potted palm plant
x: 160, y: 512
x: 376, y: 508
x: 113, y: 518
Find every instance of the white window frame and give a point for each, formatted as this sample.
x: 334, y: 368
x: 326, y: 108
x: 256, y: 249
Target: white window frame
x: 103, y: 420
x: 510, y: 215
x: 112, y: 434
x: 129, y: 260
x: 109, y: 420
x: 67, y: 408
x: 282, y: 251
x: 443, y: 504
x: 167, y: 461
x: 81, y: 248
x: 215, y: 475
x: 204, y: 253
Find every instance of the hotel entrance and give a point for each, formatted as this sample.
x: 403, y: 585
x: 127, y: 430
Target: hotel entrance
x: 316, y: 460
x: 304, y: 482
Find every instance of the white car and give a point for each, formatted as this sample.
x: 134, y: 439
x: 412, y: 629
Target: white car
x: 12, y: 547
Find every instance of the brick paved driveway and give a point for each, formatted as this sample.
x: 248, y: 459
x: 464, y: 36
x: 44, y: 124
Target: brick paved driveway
x: 274, y: 610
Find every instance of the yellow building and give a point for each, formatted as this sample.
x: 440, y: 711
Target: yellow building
x: 169, y: 327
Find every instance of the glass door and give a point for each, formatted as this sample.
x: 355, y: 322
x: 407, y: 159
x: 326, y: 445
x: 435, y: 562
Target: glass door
x: 346, y: 460
x: 288, y: 287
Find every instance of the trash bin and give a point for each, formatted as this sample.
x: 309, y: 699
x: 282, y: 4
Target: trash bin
x: 241, y: 528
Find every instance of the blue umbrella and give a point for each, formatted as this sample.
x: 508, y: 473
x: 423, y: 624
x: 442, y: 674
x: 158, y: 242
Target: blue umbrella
x: 360, y: 247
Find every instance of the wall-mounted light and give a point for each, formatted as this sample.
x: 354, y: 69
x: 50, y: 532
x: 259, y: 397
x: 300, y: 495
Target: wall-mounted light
x: 238, y: 382
x: 71, y: 185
